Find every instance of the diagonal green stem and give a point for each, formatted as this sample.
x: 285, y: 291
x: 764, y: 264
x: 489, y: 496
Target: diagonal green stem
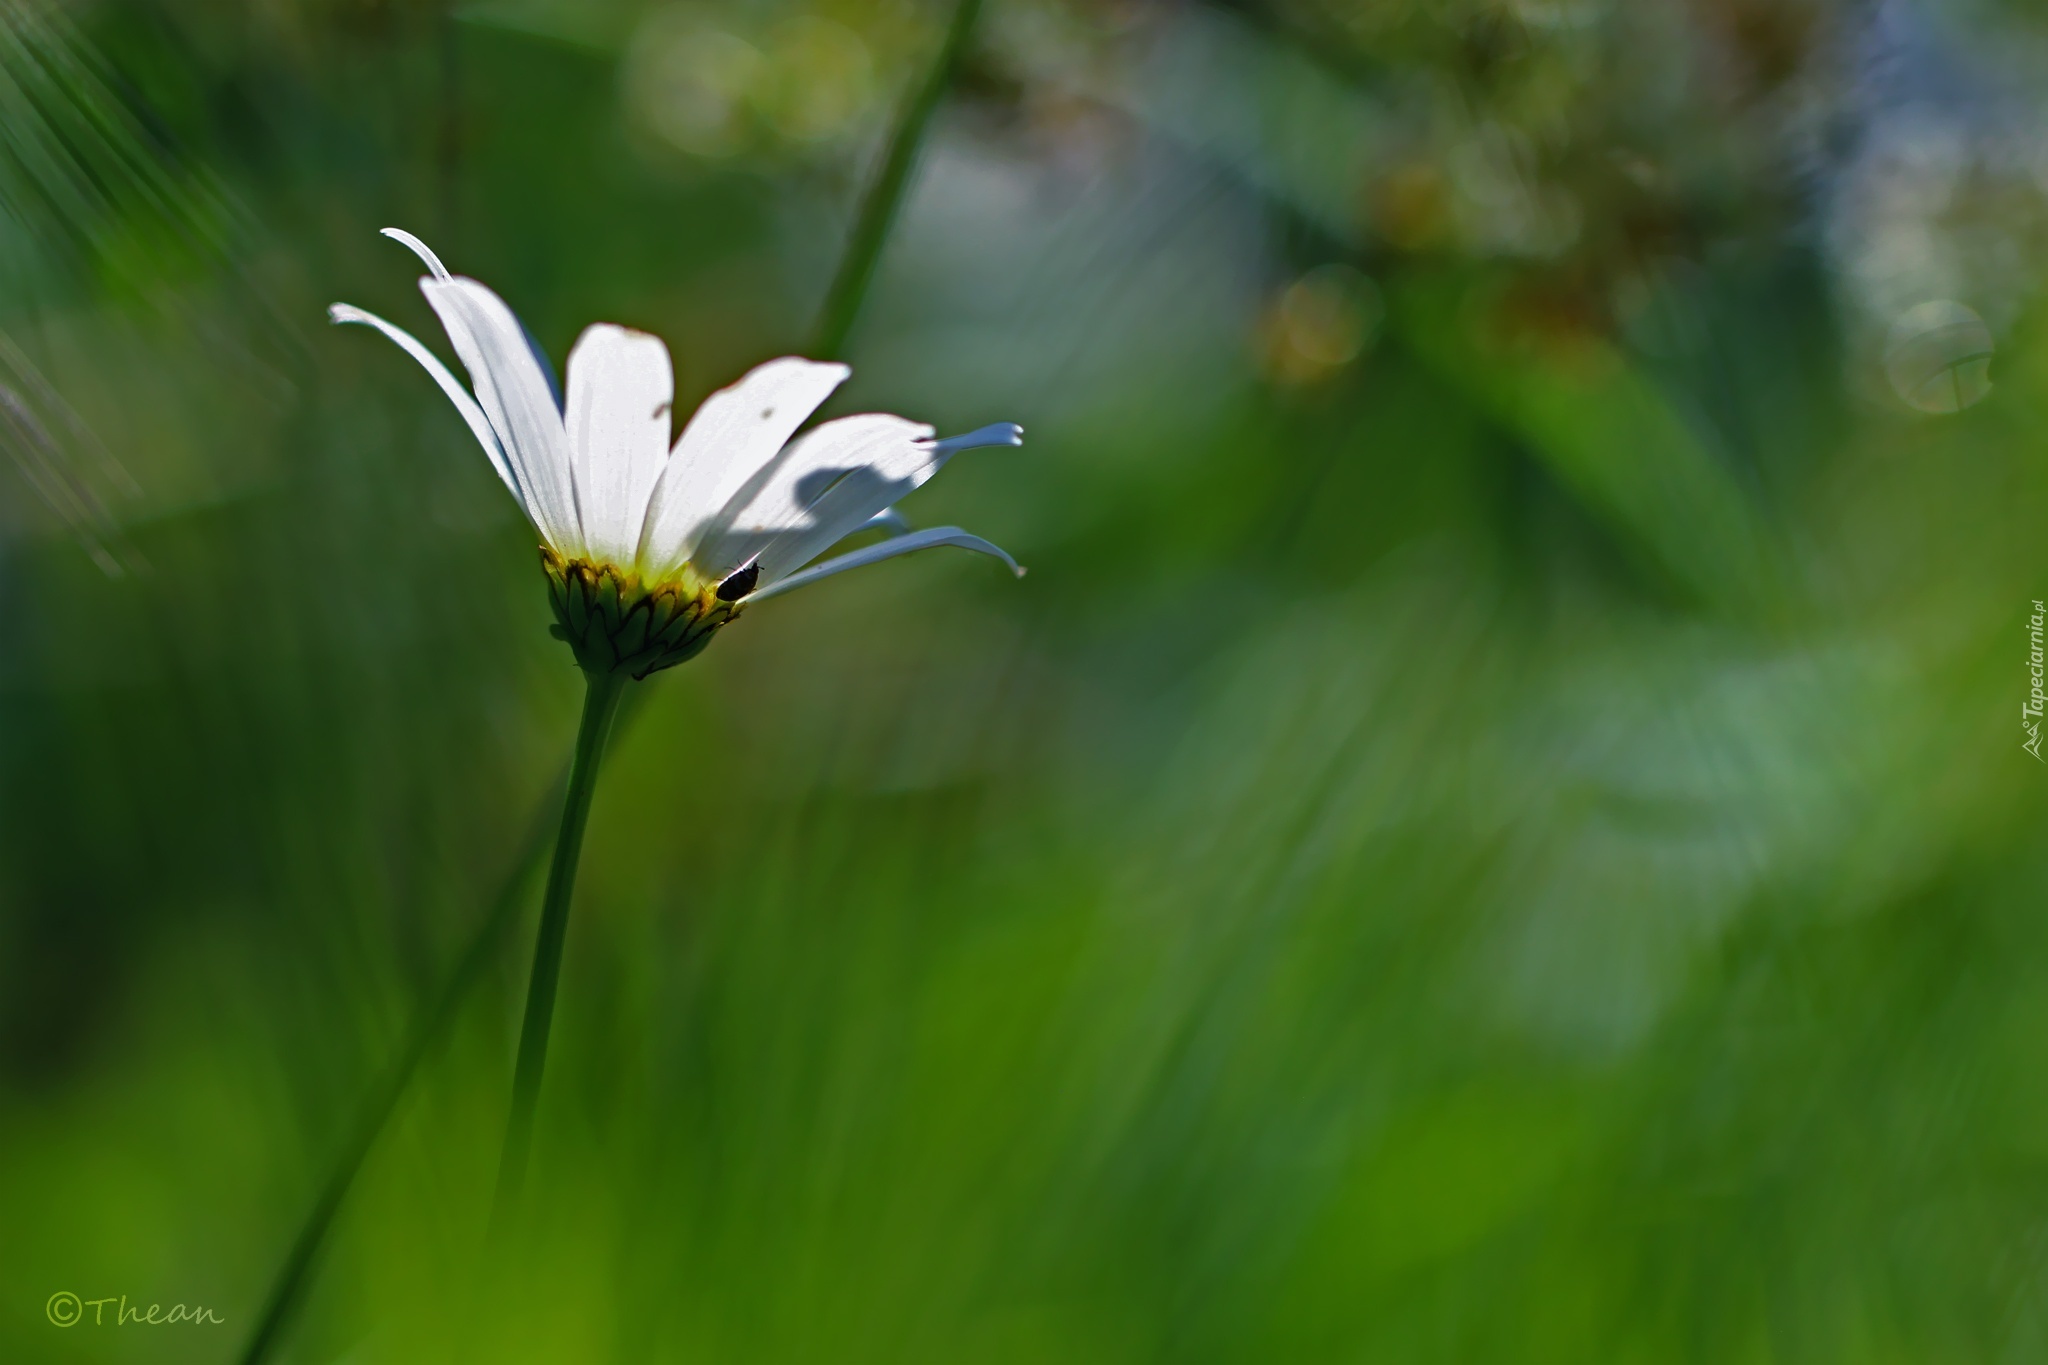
x: 428, y: 1027
x: 600, y: 704
x: 885, y: 195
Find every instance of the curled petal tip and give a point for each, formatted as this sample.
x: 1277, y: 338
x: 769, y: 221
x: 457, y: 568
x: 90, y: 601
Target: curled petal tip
x: 844, y: 370
x: 997, y: 434
x: 337, y: 312
x: 419, y: 249
x: 1021, y: 571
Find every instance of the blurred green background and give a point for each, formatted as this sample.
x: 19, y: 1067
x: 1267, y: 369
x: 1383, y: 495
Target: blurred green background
x: 1496, y: 829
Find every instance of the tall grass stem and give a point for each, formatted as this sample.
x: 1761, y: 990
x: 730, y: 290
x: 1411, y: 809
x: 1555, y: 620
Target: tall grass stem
x: 886, y: 192
x: 428, y: 1027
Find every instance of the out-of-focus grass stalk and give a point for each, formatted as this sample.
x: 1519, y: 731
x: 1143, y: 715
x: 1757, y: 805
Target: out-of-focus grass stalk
x: 885, y: 194
x: 448, y: 133
x: 427, y: 1028
x: 600, y: 705
x: 836, y: 317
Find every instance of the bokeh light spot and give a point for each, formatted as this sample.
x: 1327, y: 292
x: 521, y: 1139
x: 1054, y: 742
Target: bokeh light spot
x: 1322, y: 322
x: 820, y: 80
x: 687, y: 80
x: 1938, y: 356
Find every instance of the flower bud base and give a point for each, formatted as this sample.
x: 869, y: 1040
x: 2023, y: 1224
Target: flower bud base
x: 616, y: 624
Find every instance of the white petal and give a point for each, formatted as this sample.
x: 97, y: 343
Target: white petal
x: 849, y: 504
x: 620, y: 391
x: 888, y: 549
x: 839, y: 476
x: 994, y: 434
x: 846, y: 469
x: 419, y: 249
x: 514, y: 394
x: 440, y: 272
x: 888, y: 519
x: 737, y: 431
x: 450, y: 385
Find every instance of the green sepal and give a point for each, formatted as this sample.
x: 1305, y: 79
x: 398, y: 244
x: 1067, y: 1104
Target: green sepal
x: 614, y: 623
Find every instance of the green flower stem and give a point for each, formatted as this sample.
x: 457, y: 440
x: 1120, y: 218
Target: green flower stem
x: 885, y: 194
x: 600, y: 704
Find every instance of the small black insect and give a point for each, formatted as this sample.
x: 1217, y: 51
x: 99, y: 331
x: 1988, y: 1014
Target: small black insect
x: 739, y: 583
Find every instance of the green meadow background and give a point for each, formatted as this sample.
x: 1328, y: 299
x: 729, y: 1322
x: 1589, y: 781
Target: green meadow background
x: 1495, y: 830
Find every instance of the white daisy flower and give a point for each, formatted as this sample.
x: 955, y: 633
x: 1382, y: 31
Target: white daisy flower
x: 649, y: 547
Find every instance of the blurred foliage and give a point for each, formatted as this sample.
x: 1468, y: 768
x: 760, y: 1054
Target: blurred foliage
x: 1495, y: 830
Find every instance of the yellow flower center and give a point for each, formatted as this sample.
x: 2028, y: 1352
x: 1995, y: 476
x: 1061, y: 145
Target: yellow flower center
x: 615, y: 623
